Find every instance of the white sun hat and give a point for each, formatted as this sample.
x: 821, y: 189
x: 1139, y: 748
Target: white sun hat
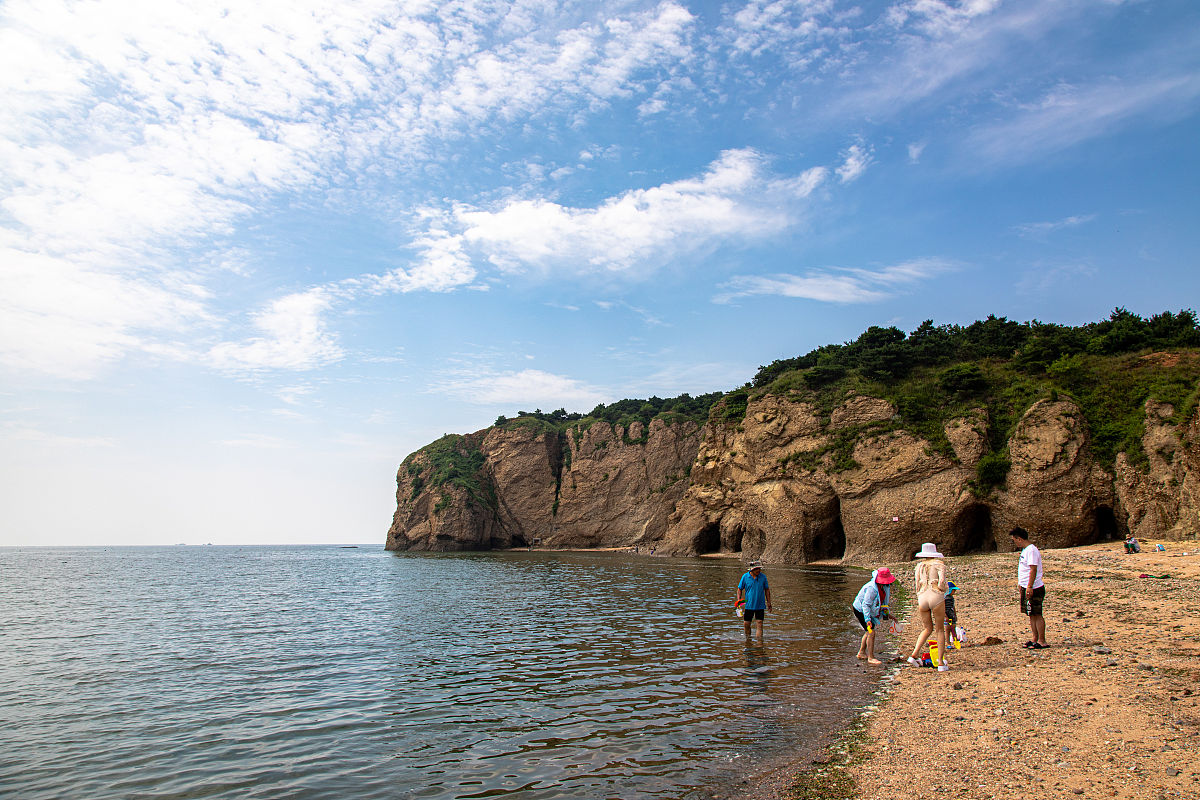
x: 929, y: 550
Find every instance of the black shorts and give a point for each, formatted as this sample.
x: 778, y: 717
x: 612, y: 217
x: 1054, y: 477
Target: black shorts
x: 951, y: 614
x: 1032, y: 605
x: 861, y: 619
x: 754, y: 613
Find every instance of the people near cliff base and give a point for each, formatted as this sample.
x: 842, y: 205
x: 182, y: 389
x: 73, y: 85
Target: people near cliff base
x: 1132, y: 545
x: 871, y: 609
x: 1033, y: 590
x: 754, y: 594
x: 932, y: 585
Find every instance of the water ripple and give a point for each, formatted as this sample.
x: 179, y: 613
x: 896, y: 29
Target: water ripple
x: 322, y: 672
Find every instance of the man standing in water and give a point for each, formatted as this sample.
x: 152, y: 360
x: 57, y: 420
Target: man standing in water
x: 1033, y: 591
x: 753, y: 589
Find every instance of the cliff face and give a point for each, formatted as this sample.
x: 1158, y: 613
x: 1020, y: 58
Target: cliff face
x: 789, y: 485
x: 1164, y: 500
x: 597, y: 486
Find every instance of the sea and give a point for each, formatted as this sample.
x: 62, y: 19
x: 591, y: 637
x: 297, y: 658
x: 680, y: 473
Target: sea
x: 292, y: 672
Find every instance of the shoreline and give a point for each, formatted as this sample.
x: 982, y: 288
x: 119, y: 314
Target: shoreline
x: 1110, y: 709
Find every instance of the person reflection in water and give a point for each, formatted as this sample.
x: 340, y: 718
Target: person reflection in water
x: 754, y: 591
x: 759, y: 670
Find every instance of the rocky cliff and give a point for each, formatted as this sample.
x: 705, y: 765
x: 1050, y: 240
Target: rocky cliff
x: 596, y: 485
x: 789, y: 483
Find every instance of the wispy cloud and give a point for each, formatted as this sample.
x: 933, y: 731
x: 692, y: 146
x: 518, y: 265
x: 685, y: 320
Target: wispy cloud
x: 1044, y: 228
x: 835, y: 285
x: 531, y: 387
x: 1069, y: 115
x: 258, y: 441
x: 131, y: 133
x: 1047, y: 280
x: 855, y: 161
x: 25, y: 433
x: 293, y: 335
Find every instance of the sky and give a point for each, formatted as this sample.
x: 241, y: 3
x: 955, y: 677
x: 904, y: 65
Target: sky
x: 254, y: 254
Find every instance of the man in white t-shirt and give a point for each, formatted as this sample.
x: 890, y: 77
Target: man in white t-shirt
x: 1033, y: 591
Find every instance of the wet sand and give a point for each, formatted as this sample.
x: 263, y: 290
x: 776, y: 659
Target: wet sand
x: 1110, y: 709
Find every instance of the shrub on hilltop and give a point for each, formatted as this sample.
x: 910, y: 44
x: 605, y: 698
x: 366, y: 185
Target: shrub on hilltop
x: 939, y: 372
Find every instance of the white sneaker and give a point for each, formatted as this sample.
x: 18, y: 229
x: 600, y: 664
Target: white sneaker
x: 943, y: 668
x: 913, y: 661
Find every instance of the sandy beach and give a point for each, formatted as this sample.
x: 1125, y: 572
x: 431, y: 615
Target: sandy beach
x: 1110, y: 709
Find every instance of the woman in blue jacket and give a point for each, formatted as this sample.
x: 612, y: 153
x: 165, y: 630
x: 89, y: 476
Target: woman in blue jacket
x: 871, y: 609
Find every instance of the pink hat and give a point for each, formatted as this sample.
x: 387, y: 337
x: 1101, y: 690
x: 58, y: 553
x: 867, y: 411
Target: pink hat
x: 884, y: 576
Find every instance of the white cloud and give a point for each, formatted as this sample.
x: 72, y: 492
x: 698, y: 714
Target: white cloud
x: 762, y: 26
x: 939, y: 18
x: 443, y: 265
x: 835, y: 285
x: 530, y: 387
x: 69, y: 320
x: 915, y: 150
x: 132, y: 132
x: 293, y: 336
x: 855, y: 161
x: 1044, y: 228
x: 734, y: 199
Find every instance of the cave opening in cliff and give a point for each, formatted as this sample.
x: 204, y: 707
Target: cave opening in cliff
x: 829, y: 542
x: 708, y: 540
x: 1105, y: 527
x: 973, y: 529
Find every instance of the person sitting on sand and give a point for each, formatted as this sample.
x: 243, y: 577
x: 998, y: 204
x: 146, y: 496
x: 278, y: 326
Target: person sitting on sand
x: 931, y: 602
x: 871, y: 608
x: 1131, y: 545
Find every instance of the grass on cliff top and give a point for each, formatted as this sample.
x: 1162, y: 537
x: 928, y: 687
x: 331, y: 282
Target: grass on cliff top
x: 452, y: 460
x: 938, y: 373
x: 622, y: 413
x: 1110, y: 391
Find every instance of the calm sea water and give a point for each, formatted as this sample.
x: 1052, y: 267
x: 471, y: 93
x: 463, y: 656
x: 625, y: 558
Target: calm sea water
x: 328, y: 672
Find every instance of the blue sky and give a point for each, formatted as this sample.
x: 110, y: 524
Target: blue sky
x: 253, y: 255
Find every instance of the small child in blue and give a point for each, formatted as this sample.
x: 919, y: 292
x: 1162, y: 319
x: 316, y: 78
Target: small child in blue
x: 952, y: 617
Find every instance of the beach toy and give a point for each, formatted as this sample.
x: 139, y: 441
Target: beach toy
x: 933, y: 653
x: 1159, y: 548
x: 895, y: 628
x: 960, y: 634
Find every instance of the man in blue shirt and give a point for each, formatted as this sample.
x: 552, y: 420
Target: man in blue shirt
x: 756, y: 594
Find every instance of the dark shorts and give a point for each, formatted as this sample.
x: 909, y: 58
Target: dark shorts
x: 754, y: 613
x: 951, y: 614
x: 1032, y: 605
x: 859, y: 615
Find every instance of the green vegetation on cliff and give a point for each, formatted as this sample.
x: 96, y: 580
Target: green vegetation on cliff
x: 937, y: 373
x: 622, y: 412
x: 455, y: 461
x: 932, y: 375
